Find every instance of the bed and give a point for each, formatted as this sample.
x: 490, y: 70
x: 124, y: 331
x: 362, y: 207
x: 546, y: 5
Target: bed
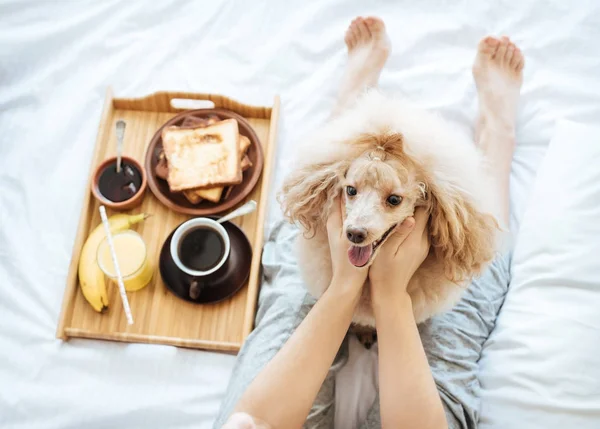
x: 58, y: 57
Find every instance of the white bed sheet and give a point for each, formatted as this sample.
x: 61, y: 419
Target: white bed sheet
x: 58, y: 57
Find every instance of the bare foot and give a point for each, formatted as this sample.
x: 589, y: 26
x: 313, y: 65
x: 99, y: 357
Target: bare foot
x: 498, y: 73
x: 368, y: 50
x: 368, y: 45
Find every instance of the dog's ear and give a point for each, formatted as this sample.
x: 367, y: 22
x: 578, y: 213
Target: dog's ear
x: 463, y: 238
x: 307, y: 193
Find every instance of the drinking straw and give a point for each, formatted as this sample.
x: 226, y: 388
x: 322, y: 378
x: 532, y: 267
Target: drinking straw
x: 113, y: 254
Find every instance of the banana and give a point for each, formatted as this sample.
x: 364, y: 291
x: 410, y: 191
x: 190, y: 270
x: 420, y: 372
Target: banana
x: 91, y: 276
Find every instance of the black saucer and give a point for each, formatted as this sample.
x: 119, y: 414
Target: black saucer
x: 217, y: 286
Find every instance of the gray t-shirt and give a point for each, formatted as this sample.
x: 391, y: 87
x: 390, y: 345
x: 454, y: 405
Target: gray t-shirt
x: 452, y: 341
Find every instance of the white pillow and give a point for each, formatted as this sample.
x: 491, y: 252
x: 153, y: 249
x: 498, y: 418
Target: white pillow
x: 540, y: 367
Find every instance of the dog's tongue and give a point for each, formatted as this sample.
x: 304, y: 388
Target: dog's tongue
x: 359, y: 256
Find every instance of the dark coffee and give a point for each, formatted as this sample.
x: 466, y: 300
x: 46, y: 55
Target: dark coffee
x: 121, y: 186
x: 201, y: 249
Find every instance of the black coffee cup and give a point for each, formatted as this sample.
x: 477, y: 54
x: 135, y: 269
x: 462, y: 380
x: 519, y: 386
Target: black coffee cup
x: 199, y: 248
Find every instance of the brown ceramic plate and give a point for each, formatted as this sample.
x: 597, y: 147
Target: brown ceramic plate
x: 175, y: 200
x: 220, y: 285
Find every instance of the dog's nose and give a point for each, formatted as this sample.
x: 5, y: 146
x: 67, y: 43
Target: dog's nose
x: 356, y: 235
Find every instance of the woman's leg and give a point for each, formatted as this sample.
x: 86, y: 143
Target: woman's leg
x: 453, y: 341
x: 368, y: 50
x: 498, y: 73
x: 283, y: 304
x: 283, y: 300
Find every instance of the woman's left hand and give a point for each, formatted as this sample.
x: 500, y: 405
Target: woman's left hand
x: 344, y: 273
x: 400, y: 256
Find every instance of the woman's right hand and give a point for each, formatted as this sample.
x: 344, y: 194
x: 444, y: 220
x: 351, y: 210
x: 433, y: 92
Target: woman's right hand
x: 400, y: 257
x: 344, y: 273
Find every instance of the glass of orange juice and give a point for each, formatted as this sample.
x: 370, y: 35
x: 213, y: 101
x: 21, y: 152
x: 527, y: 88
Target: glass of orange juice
x: 133, y: 260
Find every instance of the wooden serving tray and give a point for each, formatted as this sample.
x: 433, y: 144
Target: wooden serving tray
x: 159, y: 316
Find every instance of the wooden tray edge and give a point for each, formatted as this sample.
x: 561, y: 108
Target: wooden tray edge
x: 125, y: 337
x: 161, y: 102
x: 110, y: 104
x: 255, y: 279
x: 82, y: 226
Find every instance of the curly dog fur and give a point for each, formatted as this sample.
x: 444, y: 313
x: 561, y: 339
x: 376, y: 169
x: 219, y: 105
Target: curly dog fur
x: 382, y: 146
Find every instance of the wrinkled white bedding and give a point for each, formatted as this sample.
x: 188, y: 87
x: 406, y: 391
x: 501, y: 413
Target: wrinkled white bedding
x: 58, y: 57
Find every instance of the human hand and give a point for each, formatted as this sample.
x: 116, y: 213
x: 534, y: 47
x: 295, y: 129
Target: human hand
x: 344, y: 273
x: 400, y: 256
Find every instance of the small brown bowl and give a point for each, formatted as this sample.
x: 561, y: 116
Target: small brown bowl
x: 130, y: 203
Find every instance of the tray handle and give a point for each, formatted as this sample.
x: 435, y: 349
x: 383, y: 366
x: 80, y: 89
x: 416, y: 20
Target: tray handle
x: 174, y: 102
x: 191, y: 104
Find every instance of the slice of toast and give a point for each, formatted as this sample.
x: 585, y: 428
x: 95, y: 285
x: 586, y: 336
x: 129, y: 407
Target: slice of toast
x: 210, y: 194
x: 203, y: 157
x: 162, y: 167
x: 244, y: 144
x: 192, y: 197
x: 214, y: 194
x: 246, y: 163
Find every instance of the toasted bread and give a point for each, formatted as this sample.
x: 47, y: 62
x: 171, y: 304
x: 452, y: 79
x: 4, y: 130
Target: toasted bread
x: 192, y: 197
x: 162, y: 167
x: 210, y: 194
x: 214, y: 194
x: 203, y: 157
x: 246, y: 163
x: 244, y: 144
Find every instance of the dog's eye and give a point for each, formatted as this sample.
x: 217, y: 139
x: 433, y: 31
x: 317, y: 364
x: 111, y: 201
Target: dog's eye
x: 394, y: 200
x: 351, y: 190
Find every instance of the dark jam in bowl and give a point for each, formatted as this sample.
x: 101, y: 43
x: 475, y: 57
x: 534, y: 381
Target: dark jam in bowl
x: 121, y: 186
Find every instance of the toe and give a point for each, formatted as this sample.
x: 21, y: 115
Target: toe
x: 502, y: 48
x: 490, y: 41
x: 514, y: 62
x: 363, y: 29
x: 349, y: 39
x: 488, y: 45
x: 352, y: 34
x: 510, y: 53
x: 375, y: 25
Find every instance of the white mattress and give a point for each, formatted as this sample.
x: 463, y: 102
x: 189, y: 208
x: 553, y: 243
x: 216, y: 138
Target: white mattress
x: 58, y: 57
